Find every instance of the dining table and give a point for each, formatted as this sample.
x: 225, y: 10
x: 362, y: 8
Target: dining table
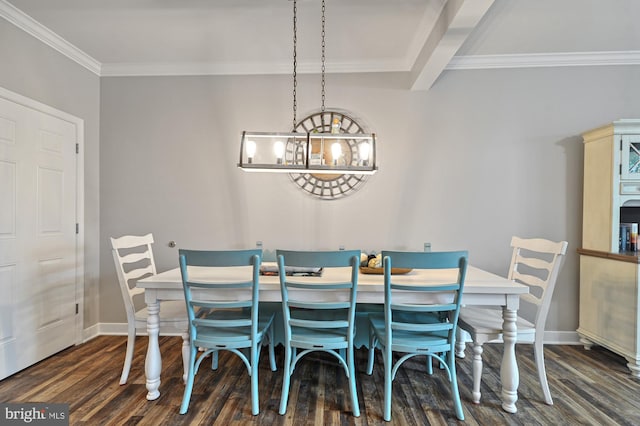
x: 481, y: 288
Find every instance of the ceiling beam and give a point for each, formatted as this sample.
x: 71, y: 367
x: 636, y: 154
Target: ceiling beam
x: 456, y: 21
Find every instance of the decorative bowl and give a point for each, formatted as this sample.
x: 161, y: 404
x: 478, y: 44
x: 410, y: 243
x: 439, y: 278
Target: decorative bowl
x: 380, y: 271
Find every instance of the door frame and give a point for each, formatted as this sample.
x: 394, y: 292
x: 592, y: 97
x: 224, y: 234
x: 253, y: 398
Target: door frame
x: 79, y: 126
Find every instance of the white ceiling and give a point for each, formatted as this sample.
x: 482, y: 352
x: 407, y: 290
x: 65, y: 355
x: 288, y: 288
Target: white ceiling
x: 152, y: 37
x: 417, y: 37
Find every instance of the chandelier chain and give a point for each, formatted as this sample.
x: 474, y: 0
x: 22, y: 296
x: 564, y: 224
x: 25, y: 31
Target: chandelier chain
x: 295, y: 62
x: 323, y: 56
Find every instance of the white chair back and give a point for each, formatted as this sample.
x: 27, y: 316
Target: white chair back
x: 133, y: 258
x: 536, y: 263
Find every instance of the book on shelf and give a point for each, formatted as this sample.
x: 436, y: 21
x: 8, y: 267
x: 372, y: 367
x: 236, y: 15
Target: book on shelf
x: 628, y: 237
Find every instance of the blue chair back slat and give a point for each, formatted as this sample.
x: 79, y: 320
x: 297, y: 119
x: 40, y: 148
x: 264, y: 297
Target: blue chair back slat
x: 319, y: 259
x: 221, y: 323
x: 239, y: 284
x: 221, y: 258
x: 221, y: 304
x: 413, y: 326
x: 423, y: 308
x: 318, y: 305
x: 432, y: 288
x: 417, y: 260
x: 317, y: 324
x: 291, y: 283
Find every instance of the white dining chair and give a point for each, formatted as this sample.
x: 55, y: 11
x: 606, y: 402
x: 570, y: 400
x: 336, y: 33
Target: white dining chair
x: 536, y: 263
x: 133, y: 258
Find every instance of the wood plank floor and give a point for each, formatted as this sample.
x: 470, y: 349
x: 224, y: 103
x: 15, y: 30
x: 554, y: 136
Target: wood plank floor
x: 589, y: 388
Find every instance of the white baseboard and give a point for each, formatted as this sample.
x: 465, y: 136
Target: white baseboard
x: 120, y: 329
x: 561, y: 338
x: 113, y: 328
x: 90, y: 333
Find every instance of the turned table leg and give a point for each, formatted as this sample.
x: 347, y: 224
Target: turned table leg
x: 186, y: 349
x: 153, y: 361
x: 509, y: 375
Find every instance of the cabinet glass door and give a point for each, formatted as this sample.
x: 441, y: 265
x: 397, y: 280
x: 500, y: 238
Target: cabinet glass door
x: 631, y: 157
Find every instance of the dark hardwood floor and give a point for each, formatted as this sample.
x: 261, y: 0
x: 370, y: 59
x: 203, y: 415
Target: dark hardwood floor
x: 589, y: 388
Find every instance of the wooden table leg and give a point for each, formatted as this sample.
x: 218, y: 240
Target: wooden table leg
x: 509, y: 375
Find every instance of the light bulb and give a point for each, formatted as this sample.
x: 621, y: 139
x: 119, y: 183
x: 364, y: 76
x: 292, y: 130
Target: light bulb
x: 251, y: 150
x: 336, y: 151
x: 278, y: 149
x: 364, y: 153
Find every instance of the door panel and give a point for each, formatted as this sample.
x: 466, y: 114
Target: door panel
x: 7, y: 284
x: 38, y: 262
x: 8, y: 197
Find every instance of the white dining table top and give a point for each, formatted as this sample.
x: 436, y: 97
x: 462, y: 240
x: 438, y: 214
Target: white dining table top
x: 370, y: 286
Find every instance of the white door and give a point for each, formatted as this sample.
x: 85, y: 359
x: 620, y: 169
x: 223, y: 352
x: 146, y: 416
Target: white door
x: 38, y: 253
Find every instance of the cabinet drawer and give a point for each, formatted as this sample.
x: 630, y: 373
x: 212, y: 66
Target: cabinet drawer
x: 630, y: 188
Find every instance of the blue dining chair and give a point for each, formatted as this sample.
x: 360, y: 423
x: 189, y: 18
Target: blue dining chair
x: 422, y: 322
x: 232, y: 322
x: 319, y: 316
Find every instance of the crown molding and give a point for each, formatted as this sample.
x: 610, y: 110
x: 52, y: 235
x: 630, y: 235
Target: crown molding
x: 48, y: 37
x: 469, y: 62
x: 538, y: 60
x: 473, y: 62
x: 139, y: 69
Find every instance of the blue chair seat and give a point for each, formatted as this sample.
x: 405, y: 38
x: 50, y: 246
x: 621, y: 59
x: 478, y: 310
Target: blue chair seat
x: 325, y: 339
x: 237, y: 337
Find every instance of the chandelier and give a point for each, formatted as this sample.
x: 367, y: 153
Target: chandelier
x: 314, y: 150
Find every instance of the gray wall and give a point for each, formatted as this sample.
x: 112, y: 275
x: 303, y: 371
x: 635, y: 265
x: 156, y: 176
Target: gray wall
x: 34, y: 70
x: 482, y: 156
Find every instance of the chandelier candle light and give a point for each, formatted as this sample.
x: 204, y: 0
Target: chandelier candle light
x: 314, y: 150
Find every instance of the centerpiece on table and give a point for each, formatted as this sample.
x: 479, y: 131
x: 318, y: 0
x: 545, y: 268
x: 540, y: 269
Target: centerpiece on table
x: 372, y: 264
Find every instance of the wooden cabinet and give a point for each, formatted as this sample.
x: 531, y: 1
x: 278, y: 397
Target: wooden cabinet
x: 609, y: 277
